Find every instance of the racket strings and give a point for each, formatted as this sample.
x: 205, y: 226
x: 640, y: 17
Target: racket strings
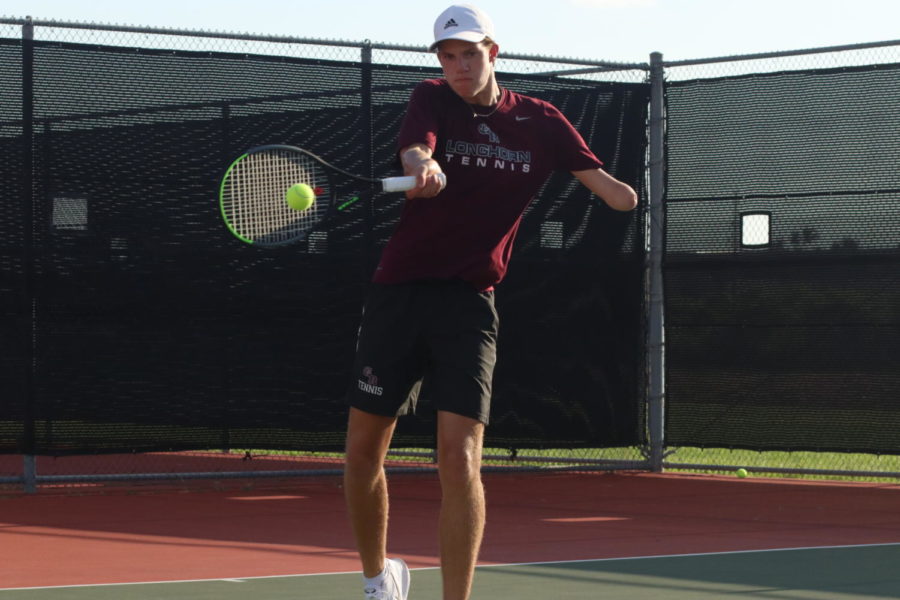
x: 254, y: 200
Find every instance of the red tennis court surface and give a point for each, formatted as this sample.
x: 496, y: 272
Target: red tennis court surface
x: 118, y: 535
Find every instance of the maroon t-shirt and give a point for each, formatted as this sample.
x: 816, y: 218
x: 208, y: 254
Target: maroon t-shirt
x: 495, y: 164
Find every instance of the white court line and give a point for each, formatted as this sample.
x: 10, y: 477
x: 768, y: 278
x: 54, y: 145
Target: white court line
x: 492, y: 566
x: 698, y: 554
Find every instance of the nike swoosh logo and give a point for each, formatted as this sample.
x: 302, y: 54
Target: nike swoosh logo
x: 522, y: 118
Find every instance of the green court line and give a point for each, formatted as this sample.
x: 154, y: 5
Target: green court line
x: 828, y: 573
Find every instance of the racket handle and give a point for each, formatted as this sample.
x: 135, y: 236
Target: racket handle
x: 401, y: 184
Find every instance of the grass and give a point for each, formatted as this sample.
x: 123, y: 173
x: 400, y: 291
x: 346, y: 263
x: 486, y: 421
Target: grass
x: 830, y: 466
x: 796, y: 465
x: 801, y: 465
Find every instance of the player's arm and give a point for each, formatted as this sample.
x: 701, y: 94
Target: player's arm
x: 617, y: 195
x: 417, y: 161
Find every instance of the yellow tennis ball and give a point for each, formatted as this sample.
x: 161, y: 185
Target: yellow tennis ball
x: 300, y: 196
x: 741, y: 473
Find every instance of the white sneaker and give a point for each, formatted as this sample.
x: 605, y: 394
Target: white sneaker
x: 396, y: 582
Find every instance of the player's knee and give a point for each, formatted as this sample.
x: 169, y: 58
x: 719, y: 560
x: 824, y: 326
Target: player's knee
x: 459, y: 466
x: 360, y: 459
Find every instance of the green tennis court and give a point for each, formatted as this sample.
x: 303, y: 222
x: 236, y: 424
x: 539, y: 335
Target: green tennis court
x: 809, y: 573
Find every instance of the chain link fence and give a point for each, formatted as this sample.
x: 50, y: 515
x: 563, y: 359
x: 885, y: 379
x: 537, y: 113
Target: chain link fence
x: 782, y: 239
x: 691, y: 140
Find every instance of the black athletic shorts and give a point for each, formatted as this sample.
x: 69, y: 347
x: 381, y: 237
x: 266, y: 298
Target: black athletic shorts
x: 442, y: 332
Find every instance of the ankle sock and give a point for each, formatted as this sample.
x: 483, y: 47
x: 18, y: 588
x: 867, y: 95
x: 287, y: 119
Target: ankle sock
x: 377, y: 581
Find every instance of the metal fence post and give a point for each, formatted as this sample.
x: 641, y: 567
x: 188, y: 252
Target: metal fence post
x: 28, y: 442
x: 656, y: 240
x: 29, y: 473
x: 368, y: 159
x: 366, y: 107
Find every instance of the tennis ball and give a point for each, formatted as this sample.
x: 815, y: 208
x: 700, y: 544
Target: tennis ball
x: 741, y: 473
x: 300, y: 196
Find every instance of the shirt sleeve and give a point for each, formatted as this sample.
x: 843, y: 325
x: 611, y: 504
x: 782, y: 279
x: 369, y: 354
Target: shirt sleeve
x: 420, y: 124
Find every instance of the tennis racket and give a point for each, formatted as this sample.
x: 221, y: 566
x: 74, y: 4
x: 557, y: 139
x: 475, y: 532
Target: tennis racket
x: 252, y: 195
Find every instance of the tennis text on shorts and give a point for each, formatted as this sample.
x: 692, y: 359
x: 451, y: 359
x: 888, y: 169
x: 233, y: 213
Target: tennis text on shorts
x: 370, y: 385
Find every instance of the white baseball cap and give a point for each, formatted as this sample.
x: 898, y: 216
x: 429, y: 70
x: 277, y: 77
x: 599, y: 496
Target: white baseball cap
x: 462, y: 22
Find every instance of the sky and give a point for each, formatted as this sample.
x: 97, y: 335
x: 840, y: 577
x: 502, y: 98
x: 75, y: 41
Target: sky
x: 597, y: 30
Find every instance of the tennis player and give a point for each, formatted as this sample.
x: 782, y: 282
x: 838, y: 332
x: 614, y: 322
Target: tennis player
x: 429, y: 315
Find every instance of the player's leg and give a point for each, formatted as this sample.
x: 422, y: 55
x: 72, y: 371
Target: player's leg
x: 387, y: 377
x: 462, y: 505
x: 462, y: 339
x: 365, y: 485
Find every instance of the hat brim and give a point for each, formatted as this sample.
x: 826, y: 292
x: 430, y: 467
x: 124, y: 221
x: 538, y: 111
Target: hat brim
x: 466, y: 36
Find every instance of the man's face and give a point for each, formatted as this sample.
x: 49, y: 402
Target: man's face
x: 467, y: 68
